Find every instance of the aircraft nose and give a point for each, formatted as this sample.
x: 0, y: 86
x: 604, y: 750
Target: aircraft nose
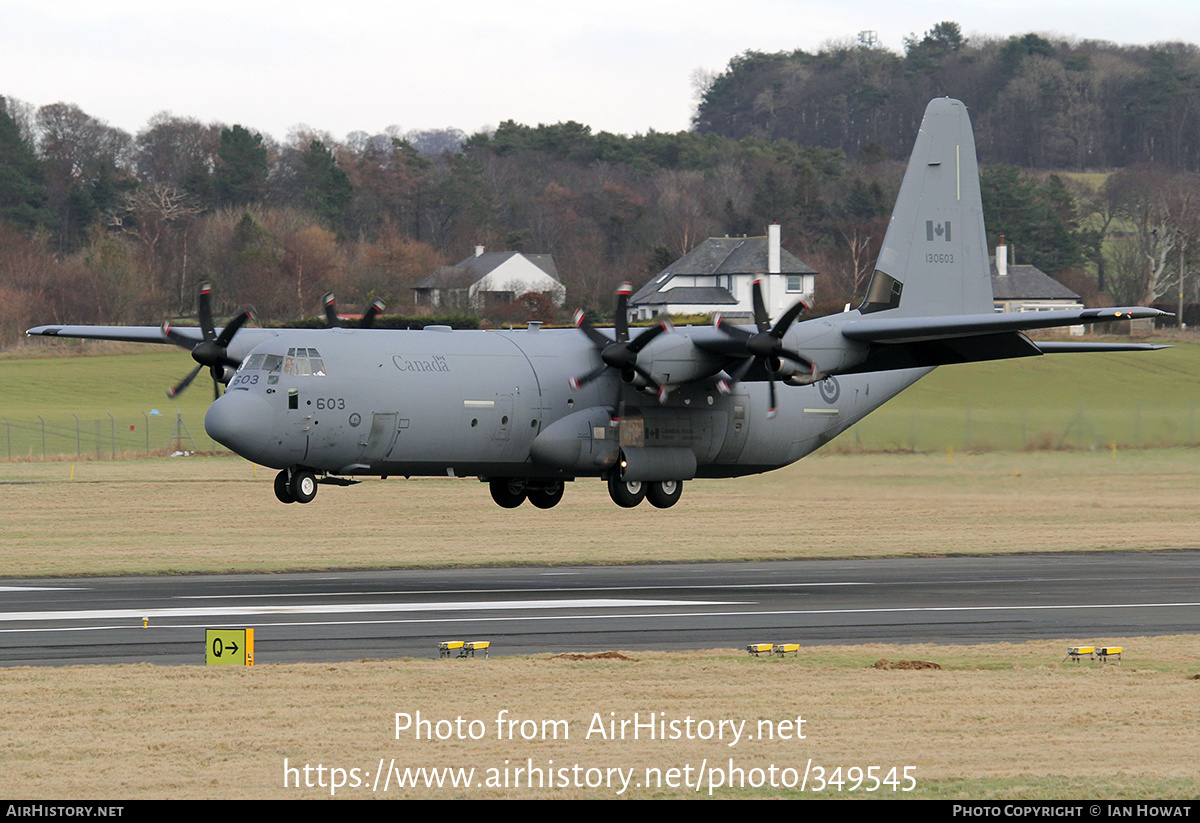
x: 242, y: 422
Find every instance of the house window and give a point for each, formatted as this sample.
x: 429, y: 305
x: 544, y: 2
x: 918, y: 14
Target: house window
x: 795, y: 284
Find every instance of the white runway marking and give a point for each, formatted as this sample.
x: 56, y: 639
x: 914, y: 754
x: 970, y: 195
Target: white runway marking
x: 346, y: 608
x: 159, y: 615
x: 576, y: 590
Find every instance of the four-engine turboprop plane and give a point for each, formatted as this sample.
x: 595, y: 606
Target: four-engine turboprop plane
x: 529, y: 410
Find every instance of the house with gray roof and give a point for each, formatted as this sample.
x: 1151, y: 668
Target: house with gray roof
x: 488, y: 279
x: 1027, y: 288
x: 716, y: 276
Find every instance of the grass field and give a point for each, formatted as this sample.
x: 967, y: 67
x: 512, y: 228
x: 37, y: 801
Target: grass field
x: 212, y: 514
x: 999, y: 721
x: 100, y: 405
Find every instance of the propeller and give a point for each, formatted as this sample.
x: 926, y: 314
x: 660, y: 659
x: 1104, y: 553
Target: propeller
x: 622, y: 353
x: 212, y: 351
x: 332, y: 321
x: 766, y: 345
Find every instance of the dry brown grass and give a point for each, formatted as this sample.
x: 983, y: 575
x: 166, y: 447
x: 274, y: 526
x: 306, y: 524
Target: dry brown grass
x: 1006, y: 721
x: 219, y: 514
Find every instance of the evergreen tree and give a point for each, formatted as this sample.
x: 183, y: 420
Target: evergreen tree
x: 22, y: 192
x: 241, y: 173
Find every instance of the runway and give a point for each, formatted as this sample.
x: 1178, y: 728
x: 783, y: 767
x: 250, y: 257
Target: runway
x: 334, y: 616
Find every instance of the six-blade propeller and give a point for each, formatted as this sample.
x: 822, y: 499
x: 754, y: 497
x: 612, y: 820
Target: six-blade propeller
x: 621, y: 353
x: 332, y: 321
x: 212, y: 350
x: 766, y: 346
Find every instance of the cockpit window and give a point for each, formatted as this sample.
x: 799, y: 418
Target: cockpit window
x: 299, y: 362
x: 302, y: 362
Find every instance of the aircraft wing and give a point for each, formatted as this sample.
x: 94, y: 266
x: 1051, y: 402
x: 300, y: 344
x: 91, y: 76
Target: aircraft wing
x: 127, y: 334
x: 918, y: 329
x: 146, y: 334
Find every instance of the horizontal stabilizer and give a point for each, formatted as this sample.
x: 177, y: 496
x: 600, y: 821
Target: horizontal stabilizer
x: 1068, y: 347
x: 871, y: 329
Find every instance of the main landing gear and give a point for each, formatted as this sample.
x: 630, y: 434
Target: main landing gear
x: 510, y: 492
x: 297, y: 485
x: 662, y: 494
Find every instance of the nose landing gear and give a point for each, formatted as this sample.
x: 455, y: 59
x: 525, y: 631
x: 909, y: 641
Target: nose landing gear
x: 295, y: 485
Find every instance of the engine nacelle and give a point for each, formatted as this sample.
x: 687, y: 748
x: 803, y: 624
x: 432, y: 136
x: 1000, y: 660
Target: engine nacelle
x: 795, y: 374
x: 674, y: 360
x: 634, y: 379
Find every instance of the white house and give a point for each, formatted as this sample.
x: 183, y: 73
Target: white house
x: 490, y: 278
x: 1027, y: 288
x: 716, y: 276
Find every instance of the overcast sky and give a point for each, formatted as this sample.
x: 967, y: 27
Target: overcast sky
x: 620, y: 65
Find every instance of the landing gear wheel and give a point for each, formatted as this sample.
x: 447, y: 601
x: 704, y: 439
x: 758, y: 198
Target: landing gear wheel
x: 663, y: 494
x: 507, y: 492
x: 281, y: 488
x: 626, y: 494
x: 303, y: 485
x: 546, y: 497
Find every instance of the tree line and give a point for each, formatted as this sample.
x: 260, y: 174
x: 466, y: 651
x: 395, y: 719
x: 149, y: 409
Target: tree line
x: 1035, y: 102
x: 98, y: 225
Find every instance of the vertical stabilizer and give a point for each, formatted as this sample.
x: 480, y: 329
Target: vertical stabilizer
x: 934, y: 258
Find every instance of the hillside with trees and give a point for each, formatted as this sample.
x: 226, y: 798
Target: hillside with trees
x: 98, y: 225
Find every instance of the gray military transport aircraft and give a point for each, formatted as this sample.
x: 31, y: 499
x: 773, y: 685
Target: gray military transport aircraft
x: 528, y: 410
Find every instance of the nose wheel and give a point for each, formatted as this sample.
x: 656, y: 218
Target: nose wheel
x: 295, y: 486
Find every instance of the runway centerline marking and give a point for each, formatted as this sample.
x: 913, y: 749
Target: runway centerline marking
x: 574, y: 589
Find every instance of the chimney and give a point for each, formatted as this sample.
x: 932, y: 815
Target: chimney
x: 773, y: 248
x: 1002, y: 258
x: 478, y: 251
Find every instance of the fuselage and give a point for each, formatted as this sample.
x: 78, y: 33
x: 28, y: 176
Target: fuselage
x: 441, y: 402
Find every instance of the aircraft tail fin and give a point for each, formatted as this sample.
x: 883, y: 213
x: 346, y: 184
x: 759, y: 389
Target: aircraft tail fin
x: 934, y: 258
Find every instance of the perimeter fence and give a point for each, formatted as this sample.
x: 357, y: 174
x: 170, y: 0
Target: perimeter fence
x: 101, y: 436
x: 971, y: 428
x: 976, y: 428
